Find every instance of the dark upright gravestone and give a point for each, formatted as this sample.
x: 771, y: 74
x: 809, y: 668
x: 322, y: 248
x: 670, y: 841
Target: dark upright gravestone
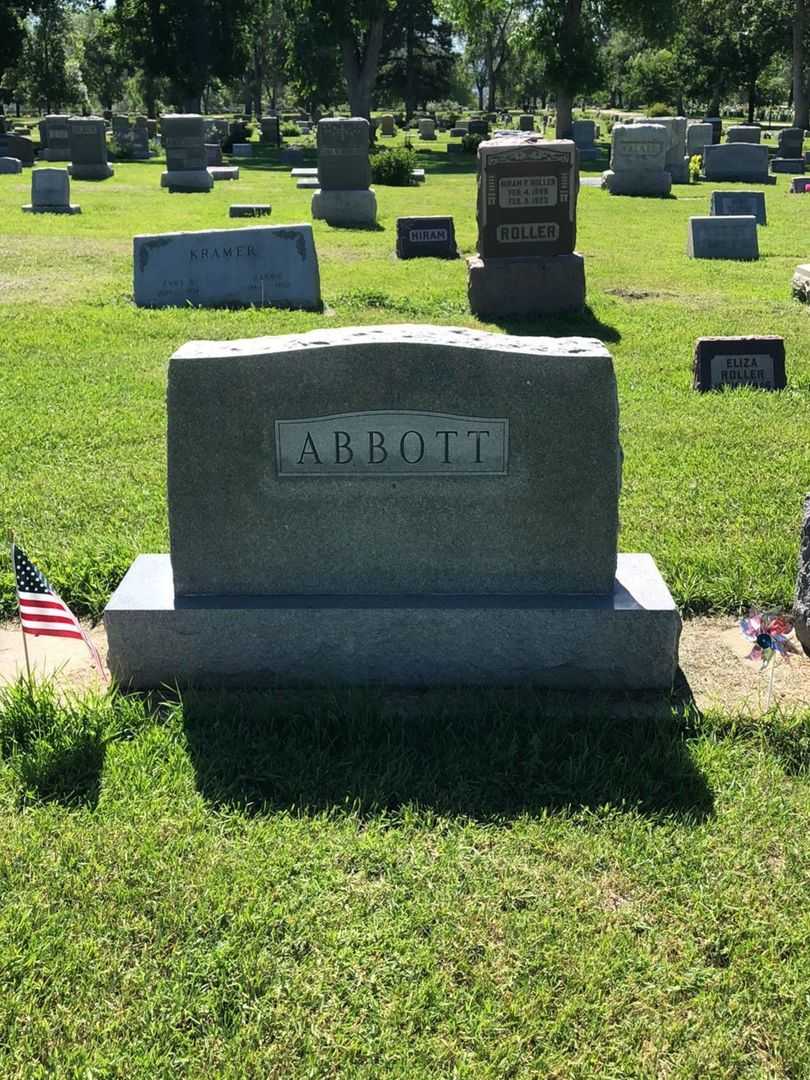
x: 88, y: 148
x: 58, y: 146
x: 419, y: 237
x: 735, y: 203
x: 344, y: 174
x: 739, y: 361
x: 185, y: 153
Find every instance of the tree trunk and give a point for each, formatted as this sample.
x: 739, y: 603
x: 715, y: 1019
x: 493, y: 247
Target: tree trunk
x: 568, y: 44
x: 361, y: 72
x: 410, y: 73
x: 565, y: 114
x: 752, y: 100
x: 801, y: 108
x: 479, y: 87
x: 192, y: 102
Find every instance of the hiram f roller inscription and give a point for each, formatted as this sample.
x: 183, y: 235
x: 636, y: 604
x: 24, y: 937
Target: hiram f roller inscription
x: 390, y: 443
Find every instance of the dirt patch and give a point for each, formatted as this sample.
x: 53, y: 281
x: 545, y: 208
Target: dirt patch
x: 712, y: 658
x: 641, y: 294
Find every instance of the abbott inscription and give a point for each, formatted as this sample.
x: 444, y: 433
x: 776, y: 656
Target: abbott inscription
x: 392, y: 444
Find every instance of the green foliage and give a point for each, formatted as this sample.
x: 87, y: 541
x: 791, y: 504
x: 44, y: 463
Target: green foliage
x: 659, y: 108
x: 290, y: 130
x: 695, y: 167
x: 653, y: 76
x: 393, y: 166
x: 470, y: 143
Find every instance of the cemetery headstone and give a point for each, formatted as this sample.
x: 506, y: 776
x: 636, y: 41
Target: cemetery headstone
x: 717, y: 128
x: 305, y: 477
x: 697, y: 137
x: 213, y: 154
x: 730, y: 237
x: 58, y: 139
x: 677, y: 162
x: 743, y: 162
x: 736, y: 203
x: 801, y: 283
x: 801, y: 602
x: 251, y: 210
x: 744, y: 133
x: 18, y: 146
x: 427, y: 130
x: 122, y: 135
x: 50, y: 193
x: 387, y: 125
x: 9, y: 165
x: 526, y: 122
x: 583, y: 132
x: 527, y: 200
x: 637, y: 160
x: 344, y: 173
x: 799, y: 185
x: 270, y: 131
x: 243, y: 150
x: 790, y: 142
x: 739, y: 361
x: 140, y: 139
x: 792, y: 166
x: 88, y: 148
x: 420, y: 237
x: 223, y: 172
x: 478, y: 127
x: 185, y: 153
x: 263, y: 266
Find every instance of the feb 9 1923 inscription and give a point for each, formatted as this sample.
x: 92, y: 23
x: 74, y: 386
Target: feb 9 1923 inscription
x: 392, y: 443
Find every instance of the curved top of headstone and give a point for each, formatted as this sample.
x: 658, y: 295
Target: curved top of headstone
x: 399, y: 334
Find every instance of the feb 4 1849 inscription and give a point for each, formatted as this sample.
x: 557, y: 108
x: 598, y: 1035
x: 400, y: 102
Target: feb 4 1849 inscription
x: 392, y: 443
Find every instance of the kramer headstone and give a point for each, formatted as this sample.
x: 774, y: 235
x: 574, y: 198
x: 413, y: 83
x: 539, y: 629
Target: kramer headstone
x: 731, y: 237
x: 88, y: 148
x: 739, y: 203
x: 744, y: 133
x: 404, y: 505
x: 426, y: 237
x: 638, y: 160
x: 698, y: 136
x: 344, y: 173
x: 50, y: 193
x: 742, y: 162
x: 185, y: 153
x: 739, y: 361
x: 801, y: 602
x: 263, y: 266
x: 10, y: 165
x: 58, y: 146
x: 527, y: 197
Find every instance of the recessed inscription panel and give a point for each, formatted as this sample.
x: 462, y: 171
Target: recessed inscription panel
x: 392, y: 443
x: 754, y: 369
x: 519, y: 191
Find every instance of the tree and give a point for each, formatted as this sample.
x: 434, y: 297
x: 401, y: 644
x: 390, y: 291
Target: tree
x: 417, y: 58
x: 187, y: 41
x: 103, y: 68
x: 12, y: 33
x: 48, y: 80
x: 488, y: 26
x: 801, y: 106
x: 312, y: 65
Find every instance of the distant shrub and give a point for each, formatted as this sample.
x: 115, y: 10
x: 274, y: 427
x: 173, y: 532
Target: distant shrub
x: 659, y: 109
x: 290, y: 130
x: 470, y: 143
x: 393, y: 166
x: 695, y: 165
x: 122, y: 150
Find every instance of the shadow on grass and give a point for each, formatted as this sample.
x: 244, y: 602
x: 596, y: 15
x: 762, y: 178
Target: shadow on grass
x: 581, y: 324
x: 479, y: 753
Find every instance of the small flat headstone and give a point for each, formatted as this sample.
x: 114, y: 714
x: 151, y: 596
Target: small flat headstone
x: 308, y: 183
x: 300, y: 172
x: 730, y: 237
x: 736, y: 203
x: 799, y: 186
x: 426, y: 237
x: 251, y: 210
x: 223, y: 172
x: 242, y: 150
x: 792, y: 166
x: 10, y: 165
x: 739, y: 361
x: 418, y: 176
x: 263, y: 266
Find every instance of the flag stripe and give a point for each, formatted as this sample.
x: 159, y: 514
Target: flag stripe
x: 25, y: 598
x: 40, y: 618
x: 53, y: 633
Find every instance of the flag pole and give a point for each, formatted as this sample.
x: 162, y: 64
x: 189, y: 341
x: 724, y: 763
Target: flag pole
x: 17, y: 594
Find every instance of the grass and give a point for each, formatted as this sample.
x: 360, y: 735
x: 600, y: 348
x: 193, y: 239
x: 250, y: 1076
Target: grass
x: 712, y: 484
x: 326, y: 885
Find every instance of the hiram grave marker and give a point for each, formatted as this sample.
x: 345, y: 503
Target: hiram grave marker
x: 265, y: 266
x: 737, y: 203
x: 723, y: 237
x: 527, y: 204
x: 403, y: 505
x: 421, y: 237
x: 739, y: 361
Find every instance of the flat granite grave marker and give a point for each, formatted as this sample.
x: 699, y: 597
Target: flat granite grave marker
x: 88, y: 148
x: 739, y: 361
x: 799, y: 185
x: 728, y: 237
x: 10, y: 165
x: 50, y: 193
x: 527, y: 202
x: 265, y: 266
x: 801, y: 283
x: 241, y: 210
x: 736, y: 203
x: 744, y: 162
x: 344, y: 174
x: 425, y: 237
x: 405, y: 505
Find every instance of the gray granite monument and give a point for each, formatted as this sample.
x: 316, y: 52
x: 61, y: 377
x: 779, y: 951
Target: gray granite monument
x: 58, y: 139
x: 88, y: 148
x: 377, y: 505
x: 729, y: 237
x: 729, y: 362
x: 736, y: 203
x: 344, y: 174
x: 186, y: 156
x: 638, y: 160
x: 50, y: 193
x: 738, y: 161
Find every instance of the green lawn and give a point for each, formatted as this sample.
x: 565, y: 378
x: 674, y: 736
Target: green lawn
x: 367, y: 885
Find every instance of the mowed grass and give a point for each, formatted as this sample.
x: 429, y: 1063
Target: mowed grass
x: 468, y: 885
x: 712, y: 484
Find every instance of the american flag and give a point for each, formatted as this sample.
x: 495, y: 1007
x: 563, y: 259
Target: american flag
x: 42, y: 613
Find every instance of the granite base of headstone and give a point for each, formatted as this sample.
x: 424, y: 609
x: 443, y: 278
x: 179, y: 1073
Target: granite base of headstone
x: 308, y: 183
x: 326, y: 529
x: 737, y: 161
x: 524, y: 287
x: 791, y: 166
x: 728, y: 237
x: 50, y: 193
x: 264, y: 266
x: 249, y: 210
x: 637, y: 161
x: 426, y: 237
x: 736, y: 203
x: 721, y: 362
x: 801, y: 602
x: 10, y: 165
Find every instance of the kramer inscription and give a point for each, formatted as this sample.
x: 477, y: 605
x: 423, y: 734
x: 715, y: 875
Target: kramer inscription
x: 392, y: 443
